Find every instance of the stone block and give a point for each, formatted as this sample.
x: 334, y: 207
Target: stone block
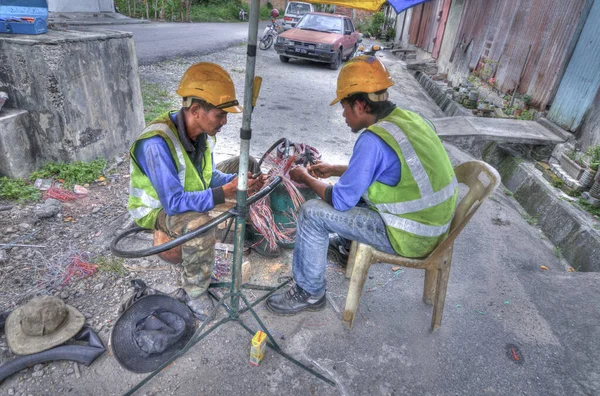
x: 81, y: 89
x: 16, y: 144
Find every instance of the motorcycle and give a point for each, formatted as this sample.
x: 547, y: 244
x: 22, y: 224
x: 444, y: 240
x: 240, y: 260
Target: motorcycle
x: 269, y: 35
x: 372, y: 50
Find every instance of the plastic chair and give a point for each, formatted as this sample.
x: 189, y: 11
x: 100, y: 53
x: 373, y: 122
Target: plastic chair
x: 482, y: 180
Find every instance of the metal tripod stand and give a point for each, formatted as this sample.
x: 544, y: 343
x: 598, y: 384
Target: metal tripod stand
x: 235, y: 294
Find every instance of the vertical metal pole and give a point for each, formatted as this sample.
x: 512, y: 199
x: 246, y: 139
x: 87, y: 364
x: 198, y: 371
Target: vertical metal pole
x: 245, y: 135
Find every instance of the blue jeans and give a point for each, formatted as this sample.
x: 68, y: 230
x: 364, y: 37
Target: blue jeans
x: 316, y: 220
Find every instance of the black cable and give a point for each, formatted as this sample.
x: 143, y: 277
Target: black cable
x: 186, y: 237
x: 288, y: 143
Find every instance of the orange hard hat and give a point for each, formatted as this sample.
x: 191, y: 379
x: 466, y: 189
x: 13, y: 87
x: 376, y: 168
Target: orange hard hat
x: 362, y: 74
x: 211, y: 83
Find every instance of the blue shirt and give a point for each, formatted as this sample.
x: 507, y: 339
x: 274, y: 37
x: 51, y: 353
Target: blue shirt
x: 154, y: 159
x: 372, y: 160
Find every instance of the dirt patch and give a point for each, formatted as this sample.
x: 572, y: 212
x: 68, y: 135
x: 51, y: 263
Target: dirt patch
x: 66, y: 254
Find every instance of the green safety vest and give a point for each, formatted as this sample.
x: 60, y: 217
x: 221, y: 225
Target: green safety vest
x: 418, y: 210
x: 144, y: 204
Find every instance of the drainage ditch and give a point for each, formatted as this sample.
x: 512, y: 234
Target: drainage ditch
x: 575, y: 232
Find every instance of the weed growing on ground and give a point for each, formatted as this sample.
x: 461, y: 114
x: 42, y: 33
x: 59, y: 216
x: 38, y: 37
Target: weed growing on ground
x: 18, y: 190
x: 71, y: 173
x: 557, y: 252
x: 526, y: 115
x: 531, y: 220
x: 558, y: 183
x: 156, y: 101
x: 111, y: 264
x: 594, y: 210
x: 508, y: 193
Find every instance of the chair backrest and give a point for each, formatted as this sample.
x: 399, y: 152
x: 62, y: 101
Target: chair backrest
x: 481, y: 179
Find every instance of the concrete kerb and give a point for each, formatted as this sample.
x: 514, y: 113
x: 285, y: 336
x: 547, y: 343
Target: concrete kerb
x: 567, y: 227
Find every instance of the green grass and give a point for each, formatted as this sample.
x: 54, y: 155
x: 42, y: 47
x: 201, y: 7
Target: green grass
x: 71, y: 173
x: 531, y: 220
x: 156, y: 101
x: 18, y: 190
x: 111, y: 265
x: 557, y: 252
x: 589, y: 207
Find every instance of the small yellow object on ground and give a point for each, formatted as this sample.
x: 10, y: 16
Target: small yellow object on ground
x: 257, y: 350
x: 544, y: 267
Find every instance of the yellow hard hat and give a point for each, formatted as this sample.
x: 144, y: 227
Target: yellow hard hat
x: 211, y: 83
x: 362, y: 74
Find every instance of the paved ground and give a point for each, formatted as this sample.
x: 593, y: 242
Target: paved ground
x: 498, y: 294
x: 498, y: 298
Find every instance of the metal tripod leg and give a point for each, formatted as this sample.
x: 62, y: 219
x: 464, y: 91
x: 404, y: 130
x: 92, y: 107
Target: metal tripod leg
x: 274, y: 346
x: 199, y: 335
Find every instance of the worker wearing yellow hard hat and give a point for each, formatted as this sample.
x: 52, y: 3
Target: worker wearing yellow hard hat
x: 174, y: 180
x: 398, y: 192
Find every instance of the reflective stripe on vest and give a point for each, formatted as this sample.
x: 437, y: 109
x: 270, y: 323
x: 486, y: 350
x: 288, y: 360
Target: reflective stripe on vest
x: 147, y: 200
x: 150, y: 203
x: 140, y: 212
x: 414, y: 227
x: 389, y: 211
x: 167, y: 131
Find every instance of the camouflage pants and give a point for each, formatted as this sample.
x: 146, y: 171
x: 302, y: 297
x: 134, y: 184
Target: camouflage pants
x: 198, y: 255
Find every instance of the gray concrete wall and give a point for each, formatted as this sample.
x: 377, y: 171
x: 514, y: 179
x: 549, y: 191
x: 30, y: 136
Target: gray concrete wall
x: 80, y: 5
x: 16, y: 141
x: 454, y: 16
x: 81, y: 91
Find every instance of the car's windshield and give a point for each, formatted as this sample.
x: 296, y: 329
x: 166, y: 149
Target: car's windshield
x: 321, y: 23
x: 298, y: 8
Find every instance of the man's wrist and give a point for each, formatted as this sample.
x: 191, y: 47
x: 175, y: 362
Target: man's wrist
x: 218, y: 195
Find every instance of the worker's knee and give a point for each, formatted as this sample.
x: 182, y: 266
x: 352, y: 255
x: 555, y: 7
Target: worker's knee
x: 313, y: 209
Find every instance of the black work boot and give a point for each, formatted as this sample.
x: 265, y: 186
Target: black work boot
x: 338, y: 250
x: 295, y: 300
x: 201, y: 306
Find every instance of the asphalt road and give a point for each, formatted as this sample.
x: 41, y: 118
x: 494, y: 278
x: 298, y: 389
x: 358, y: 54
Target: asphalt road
x: 155, y: 42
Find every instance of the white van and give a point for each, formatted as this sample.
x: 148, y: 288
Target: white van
x: 294, y: 11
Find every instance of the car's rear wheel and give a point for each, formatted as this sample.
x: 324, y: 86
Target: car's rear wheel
x: 337, y: 61
x: 284, y: 59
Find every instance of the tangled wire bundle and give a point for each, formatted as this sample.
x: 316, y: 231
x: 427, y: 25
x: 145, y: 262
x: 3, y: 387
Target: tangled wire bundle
x: 261, y: 215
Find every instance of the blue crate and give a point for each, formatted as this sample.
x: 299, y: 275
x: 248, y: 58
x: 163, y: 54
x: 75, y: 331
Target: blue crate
x: 23, y: 16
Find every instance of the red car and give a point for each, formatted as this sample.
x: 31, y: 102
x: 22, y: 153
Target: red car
x: 319, y: 37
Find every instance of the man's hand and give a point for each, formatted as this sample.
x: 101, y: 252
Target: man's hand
x: 256, y: 183
x: 230, y: 188
x: 299, y: 174
x: 323, y: 170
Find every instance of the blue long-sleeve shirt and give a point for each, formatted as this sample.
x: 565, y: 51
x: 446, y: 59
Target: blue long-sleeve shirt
x: 372, y: 160
x: 154, y: 159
